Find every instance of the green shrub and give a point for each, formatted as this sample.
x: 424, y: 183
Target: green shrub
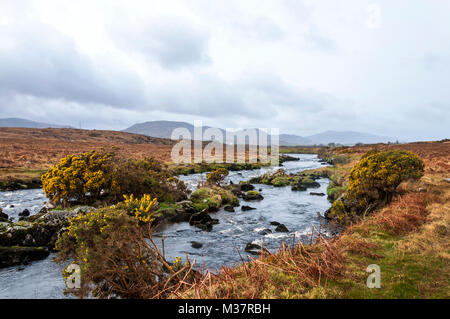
x: 217, y: 176
x: 90, y: 177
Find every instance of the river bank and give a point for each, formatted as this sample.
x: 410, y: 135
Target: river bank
x: 298, y: 212
x: 408, y: 239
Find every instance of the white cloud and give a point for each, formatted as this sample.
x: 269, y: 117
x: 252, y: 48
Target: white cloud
x: 303, y: 66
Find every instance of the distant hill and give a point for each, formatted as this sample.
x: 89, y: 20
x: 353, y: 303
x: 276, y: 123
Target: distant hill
x: 17, y: 122
x: 292, y: 140
x: 348, y: 138
x: 163, y: 129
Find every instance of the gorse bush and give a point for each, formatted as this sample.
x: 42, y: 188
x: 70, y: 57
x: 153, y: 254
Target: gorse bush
x: 142, y: 208
x: 95, y: 176
x: 373, y: 181
x: 217, y: 176
x: 377, y: 175
x: 117, y: 257
x: 80, y: 178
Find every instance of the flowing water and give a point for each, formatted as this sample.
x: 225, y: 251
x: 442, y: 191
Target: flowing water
x: 296, y: 210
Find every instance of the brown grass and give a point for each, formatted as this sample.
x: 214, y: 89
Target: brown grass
x: 41, y: 148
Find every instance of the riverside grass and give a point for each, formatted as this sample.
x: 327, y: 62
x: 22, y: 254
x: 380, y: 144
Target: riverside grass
x: 409, y: 239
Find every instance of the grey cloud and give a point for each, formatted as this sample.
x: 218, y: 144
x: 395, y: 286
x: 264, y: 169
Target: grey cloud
x: 173, y: 42
x: 42, y: 62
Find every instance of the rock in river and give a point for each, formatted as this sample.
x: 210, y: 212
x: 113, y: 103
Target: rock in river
x: 246, y: 208
x: 10, y: 256
x: 196, y: 244
x: 253, y: 195
x: 316, y: 194
x: 229, y: 208
x: 282, y: 228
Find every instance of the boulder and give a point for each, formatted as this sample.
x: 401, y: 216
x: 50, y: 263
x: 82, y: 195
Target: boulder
x: 281, y: 228
x: 298, y: 188
x: 253, y: 248
x: 196, y: 244
x: 246, y: 208
x: 265, y: 232
x: 3, y: 216
x: 10, y: 256
x: 25, y: 213
x: 245, y: 187
x: 203, y: 221
x: 253, y: 195
x: 274, y: 223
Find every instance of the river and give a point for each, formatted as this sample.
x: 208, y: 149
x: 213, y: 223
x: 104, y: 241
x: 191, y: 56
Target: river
x: 296, y: 210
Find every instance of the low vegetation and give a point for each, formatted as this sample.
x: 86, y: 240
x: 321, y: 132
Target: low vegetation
x: 373, y: 182
x: 102, y: 178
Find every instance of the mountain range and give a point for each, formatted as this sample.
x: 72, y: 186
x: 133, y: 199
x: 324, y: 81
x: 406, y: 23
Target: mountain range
x: 163, y: 129
x: 17, y: 122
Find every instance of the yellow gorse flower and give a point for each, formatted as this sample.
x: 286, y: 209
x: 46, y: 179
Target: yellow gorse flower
x: 141, y: 208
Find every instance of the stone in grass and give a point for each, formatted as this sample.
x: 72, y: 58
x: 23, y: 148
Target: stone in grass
x: 282, y: 228
x: 196, y: 244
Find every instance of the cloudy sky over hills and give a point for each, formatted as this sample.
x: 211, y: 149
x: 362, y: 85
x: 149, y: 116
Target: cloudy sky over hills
x: 376, y: 66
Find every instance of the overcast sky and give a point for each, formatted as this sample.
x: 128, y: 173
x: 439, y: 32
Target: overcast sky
x: 376, y: 66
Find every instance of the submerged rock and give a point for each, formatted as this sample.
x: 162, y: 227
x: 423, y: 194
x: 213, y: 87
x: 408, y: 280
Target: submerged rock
x: 229, y: 208
x: 253, y: 248
x: 265, y: 232
x: 246, y: 208
x: 316, y: 194
x: 196, y: 244
x: 281, y: 228
x: 298, y: 188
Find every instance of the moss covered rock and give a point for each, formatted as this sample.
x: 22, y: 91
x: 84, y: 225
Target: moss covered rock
x: 10, y: 256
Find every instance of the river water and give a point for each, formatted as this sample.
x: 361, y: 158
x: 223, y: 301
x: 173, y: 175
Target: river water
x: 296, y: 210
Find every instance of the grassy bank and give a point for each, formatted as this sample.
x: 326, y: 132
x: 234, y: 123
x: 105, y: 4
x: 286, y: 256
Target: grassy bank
x: 17, y: 178
x: 409, y: 239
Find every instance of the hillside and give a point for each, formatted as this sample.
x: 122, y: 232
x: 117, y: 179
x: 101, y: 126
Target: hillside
x: 33, y: 148
x: 17, y: 122
x: 164, y: 129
